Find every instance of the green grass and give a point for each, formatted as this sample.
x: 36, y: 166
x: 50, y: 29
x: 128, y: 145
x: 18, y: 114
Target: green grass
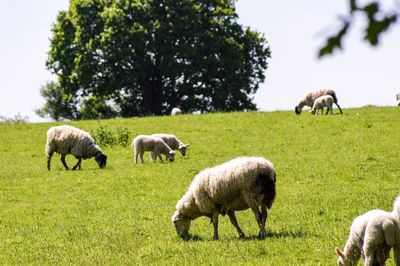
x: 329, y: 170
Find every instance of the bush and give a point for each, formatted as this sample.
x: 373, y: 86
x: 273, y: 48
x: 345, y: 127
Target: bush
x: 104, y: 136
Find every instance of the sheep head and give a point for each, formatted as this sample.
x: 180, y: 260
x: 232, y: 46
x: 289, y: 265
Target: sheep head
x: 182, y: 225
x: 297, y: 109
x: 171, y: 156
x: 342, y: 259
x: 182, y: 148
x: 101, y: 159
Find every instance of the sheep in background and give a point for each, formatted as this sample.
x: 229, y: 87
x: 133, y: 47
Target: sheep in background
x: 176, y: 111
x: 239, y: 184
x: 320, y: 103
x: 398, y: 98
x: 173, y: 142
x: 71, y: 140
x: 310, y: 97
x: 155, y: 145
x: 373, y: 234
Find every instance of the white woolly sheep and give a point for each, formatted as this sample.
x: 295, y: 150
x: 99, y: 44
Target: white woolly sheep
x: 155, y: 145
x: 320, y: 103
x: 173, y: 142
x: 176, y: 111
x: 239, y: 184
x: 372, y: 235
x: 71, y: 140
x: 310, y: 97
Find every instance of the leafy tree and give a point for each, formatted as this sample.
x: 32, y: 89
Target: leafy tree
x: 148, y: 56
x: 378, y: 20
x: 59, y: 104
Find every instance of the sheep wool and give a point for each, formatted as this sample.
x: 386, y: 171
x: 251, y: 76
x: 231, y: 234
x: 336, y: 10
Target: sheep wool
x: 71, y: 140
x: 320, y: 103
x: 173, y: 142
x: 372, y: 235
x: 176, y: 111
x: 310, y: 97
x: 239, y: 184
x: 155, y: 145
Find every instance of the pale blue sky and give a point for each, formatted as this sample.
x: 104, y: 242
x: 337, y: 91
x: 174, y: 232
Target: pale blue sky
x: 360, y: 75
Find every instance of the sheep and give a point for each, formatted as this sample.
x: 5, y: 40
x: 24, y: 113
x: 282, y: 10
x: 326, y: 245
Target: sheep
x: 157, y: 147
x: 310, y: 97
x: 176, y: 111
x: 320, y: 103
x: 239, y: 184
x: 372, y: 235
x: 173, y: 142
x: 398, y: 98
x: 71, y: 140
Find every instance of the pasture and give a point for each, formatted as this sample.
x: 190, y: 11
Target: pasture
x: 329, y: 170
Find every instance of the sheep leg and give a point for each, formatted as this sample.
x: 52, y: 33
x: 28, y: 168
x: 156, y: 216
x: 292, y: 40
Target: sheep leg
x: 233, y: 219
x: 78, y: 164
x: 63, y: 162
x: 141, y: 156
x: 259, y: 220
x: 215, y: 224
x: 49, y: 161
x: 396, y: 249
x: 264, y: 214
x: 136, y: 157
x: 340, y: 109
x: 153, y: 156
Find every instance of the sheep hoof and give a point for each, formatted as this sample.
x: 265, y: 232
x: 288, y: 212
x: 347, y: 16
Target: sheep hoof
x: 262, y: 235
x: 241, y: 235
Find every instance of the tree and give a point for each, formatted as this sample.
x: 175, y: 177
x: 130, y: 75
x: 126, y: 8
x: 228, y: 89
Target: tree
x: 149, y: 56
x: 59, y: 104
x: 378, y: 21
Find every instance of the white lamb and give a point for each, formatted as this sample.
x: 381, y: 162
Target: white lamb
x: 310, y: 97
x: 71, y: 140
x: 372, y: 235
x: 320, y: 103
x: 173, y: 142
x: 239, y: 184
x: 155, y: 145
x: 176, y: 111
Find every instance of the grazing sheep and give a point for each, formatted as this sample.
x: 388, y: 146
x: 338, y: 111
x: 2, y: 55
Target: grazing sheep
x: 372, y: 235
x: 71, y: 140
x: 173, y: 142
x: 157, y: 147
x: 320, y: 103
x: 310, y: 97
x: 239, y: 184
x: 398, y: 98
x: 176, y: 111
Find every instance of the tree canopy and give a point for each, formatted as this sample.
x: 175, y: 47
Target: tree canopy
x: 144, y: 57
x: 378, y: 20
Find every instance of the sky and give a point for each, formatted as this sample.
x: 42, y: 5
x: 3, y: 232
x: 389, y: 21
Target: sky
x: 361, y: 75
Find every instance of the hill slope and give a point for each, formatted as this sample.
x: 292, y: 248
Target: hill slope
x: 329, y: 170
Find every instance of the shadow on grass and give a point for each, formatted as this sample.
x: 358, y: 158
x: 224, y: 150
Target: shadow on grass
x: 270, y: 234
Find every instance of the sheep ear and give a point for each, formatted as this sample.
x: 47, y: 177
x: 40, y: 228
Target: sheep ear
x: 176, y: 216
x: 339, y: 252
x: 187, y: 145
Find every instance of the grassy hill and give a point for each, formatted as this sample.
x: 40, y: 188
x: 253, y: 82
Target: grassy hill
x: 329, y: 170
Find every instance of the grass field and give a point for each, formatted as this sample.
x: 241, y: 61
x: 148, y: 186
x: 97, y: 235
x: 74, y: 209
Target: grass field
x: 329, y: 170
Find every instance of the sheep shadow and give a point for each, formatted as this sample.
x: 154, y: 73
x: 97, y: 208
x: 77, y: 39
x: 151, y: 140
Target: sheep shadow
x: 270, y: 234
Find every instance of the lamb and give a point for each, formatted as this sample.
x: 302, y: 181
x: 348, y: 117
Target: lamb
x: 373, y: 234
x: 173, y: 142
x: 71, y: 140
x: 239, y: 184
x: 310, y: 97
x: 176, y: 111
x: 320, y: 103
x: 157, y: 147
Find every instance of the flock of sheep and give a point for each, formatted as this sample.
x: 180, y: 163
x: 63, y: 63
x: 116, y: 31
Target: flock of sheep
x: 239, y: 184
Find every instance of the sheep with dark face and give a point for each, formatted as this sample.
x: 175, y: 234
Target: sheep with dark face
x: 239, y: 184
x: 71, y: 140
x: 310, y: 97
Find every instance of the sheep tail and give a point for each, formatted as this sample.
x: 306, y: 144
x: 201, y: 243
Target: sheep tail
x: 389, y: 232
x: 396, y: 209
